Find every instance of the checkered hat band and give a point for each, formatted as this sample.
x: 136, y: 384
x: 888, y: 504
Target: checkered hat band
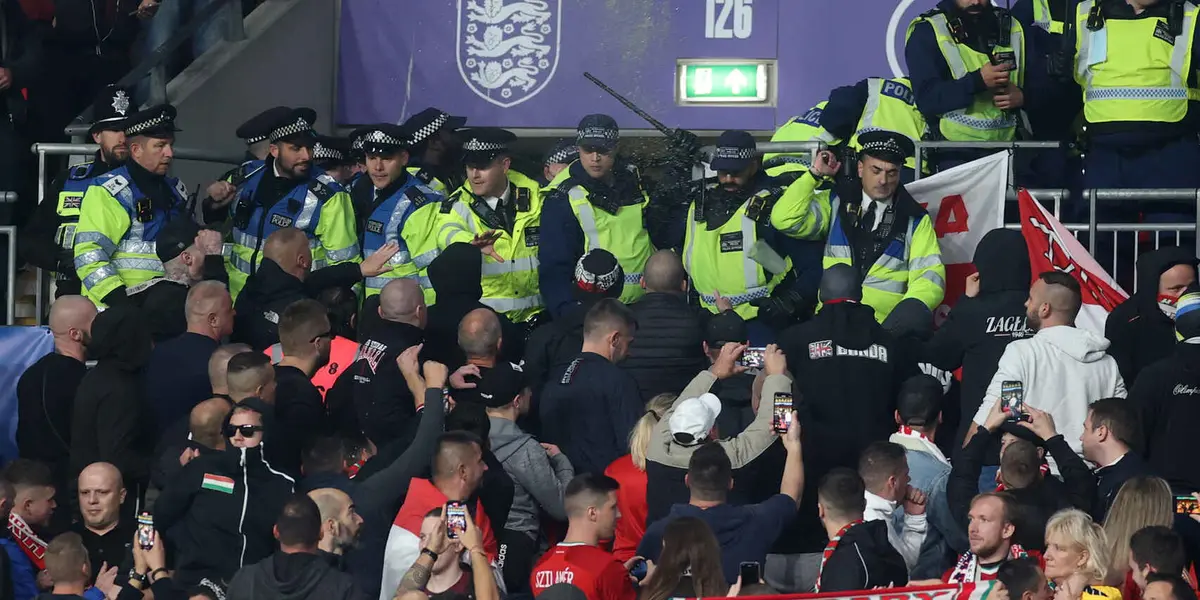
x: 256, y: 139
x: 299, y: 126
x: 137, y: 128
x: 562, y: 156
x: 602, y: 133
x: 378, y: 137
x: 429, y: 128
x: 735, y: 153
x: 888, y: 145
x: 321, y: 151
x: 474, y: 145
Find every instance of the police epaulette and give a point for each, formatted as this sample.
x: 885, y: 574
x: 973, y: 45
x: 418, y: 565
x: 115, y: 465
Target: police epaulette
x: 448, y: 203
x: 930, y: 13
x: 416, y: 197
x: 424, y: 176
x: 323, y: 192
x: 81, y: 171
x: 523, y: 202
x: 760, y: 204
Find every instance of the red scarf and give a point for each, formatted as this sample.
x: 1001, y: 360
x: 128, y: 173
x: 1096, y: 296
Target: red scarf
x: 831, y: 547
x: 966, y: 570
x: 32, y: 545
x: 1044, y: 468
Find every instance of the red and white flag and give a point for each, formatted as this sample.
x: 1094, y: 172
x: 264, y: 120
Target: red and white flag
x: 1053, y: 248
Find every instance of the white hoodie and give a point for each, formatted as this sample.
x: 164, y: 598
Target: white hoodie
x: 1063, y: 370
x: 906, y: 532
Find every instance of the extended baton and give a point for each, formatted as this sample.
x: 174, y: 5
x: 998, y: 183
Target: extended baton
x: 631, y: 106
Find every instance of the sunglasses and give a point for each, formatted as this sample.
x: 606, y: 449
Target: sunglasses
x: 245, y: 430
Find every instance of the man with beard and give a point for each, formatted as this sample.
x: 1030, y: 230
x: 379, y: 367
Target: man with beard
x: 340, y: 524
x: 731, y: 252
x: 49, y: 236
x: 287, y: 192
x: 46, y: 390
x: 189, y: 255
x: 967, y: 65
x: 871, y: 224
x: 124, y: 211
x: 991, y: 535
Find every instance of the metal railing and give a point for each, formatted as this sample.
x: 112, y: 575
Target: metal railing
x: 47, y: 149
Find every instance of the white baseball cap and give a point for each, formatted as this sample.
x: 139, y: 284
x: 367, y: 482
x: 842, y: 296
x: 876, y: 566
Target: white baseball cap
x: 695, y: 417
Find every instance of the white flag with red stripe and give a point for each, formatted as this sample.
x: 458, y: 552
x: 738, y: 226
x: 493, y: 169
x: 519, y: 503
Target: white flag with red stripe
x: 1053, y: 248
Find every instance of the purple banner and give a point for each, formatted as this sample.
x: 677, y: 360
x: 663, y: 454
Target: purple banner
x: 519, y: 63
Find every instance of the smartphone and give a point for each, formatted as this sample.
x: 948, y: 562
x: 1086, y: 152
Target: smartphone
x: 752, y: 358
x: 1012, y: 399
x: 638, y: 569
x: 145, y: 531
x: 456, y: 519
x: 751, y: 573
x: 781, y: 416
x: 1187, y: 505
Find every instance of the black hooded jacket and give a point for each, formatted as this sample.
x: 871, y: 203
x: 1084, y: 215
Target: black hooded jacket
x: 847, y: 371
x: 1140, y: 333
x: 456, y: 275
x: 271, y: 289
x: 864, y: 559
x: 978, y: 330
x: 298, y: 576
x: 112, y: 421
x: 1168, y: 396
x: 216, y: 529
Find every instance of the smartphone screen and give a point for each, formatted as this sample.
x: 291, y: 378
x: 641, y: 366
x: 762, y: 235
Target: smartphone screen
x: 145, y: 531
x: 1012, y: 399
x: 752, y: 358
x: 456, y: 519
x: 1187, y: 505
x: 751, y: 573
x: 639, y: 569
x: 781, y: 416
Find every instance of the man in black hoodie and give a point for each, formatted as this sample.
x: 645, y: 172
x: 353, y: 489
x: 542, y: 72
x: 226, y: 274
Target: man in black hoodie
x: 858, y: 555
x: 383, y: 398
x: 112, y: 422
x: 456, y: 277
x: 297, y: 571
x: 1140, y: 329
x: 1166, y: 394
x: 984, y: 321
x: 219, y: 509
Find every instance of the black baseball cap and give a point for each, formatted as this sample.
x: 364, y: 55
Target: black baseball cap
x: 597, y: 131
x: 735, y: 151
x: 175, y: 237
x: 495, y: 387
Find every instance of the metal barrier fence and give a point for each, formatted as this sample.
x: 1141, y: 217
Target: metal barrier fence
x: 83, y: 150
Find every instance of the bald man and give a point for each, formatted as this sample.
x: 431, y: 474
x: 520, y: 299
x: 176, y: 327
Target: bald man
x: 177, y: 374
x: 340, y: 523
x: 455, y: 276
x: 46, y: 390
x: 105, y: 533
x: 382, y: 397
x: 668, y: 350
x: 201, y: 436
x: 480, y: 337
x: 288, y: 274
x: 218, y: 367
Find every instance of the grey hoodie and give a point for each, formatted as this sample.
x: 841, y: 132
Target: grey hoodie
x: 538, y: 480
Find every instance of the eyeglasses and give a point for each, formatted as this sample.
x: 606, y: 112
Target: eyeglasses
x: 245, y: 430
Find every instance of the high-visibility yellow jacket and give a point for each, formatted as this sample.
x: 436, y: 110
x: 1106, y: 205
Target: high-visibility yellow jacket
x: 802, y: 128
x: 386, y: 219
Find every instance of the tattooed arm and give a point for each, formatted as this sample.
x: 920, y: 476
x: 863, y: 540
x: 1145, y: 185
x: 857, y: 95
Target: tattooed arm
x: 417, y: 576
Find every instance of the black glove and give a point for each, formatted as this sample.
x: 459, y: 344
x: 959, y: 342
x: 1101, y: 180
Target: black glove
x: 66, y: 262
x: 683, y: 148
x: 534, y: 322
x: 782, y: 307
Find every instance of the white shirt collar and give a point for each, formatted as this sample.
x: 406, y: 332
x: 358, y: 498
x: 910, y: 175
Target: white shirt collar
x: 880, y: 206
x: 493, y: 201
x: 1113, y: 462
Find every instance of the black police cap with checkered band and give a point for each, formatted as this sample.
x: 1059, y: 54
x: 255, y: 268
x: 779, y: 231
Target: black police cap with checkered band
x: 887, y: 146
x: 381, y: 138
x: 331, y: 148
x: 258, y: 128
x: 564, y: 152
x: 597, y: 130
x: 156, y: 121
x: 295, y: 124
x: 482, y: 145
x: 427, y: 122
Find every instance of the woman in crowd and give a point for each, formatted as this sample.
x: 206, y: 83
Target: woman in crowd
x: 1141, y: 502
x: 689, y: 566
x: 1077, y: 557
x: 630, y: 472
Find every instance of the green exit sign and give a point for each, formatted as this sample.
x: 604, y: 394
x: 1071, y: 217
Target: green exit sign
x: 736, y: 82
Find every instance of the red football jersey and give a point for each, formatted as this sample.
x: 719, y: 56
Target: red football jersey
x: 631, y: 501
x: 586, y: 567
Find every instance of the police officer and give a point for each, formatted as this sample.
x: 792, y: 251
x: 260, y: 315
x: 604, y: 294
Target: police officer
x: 434, y: 151
x: 872, y: 104
x: 499, y: 210
x: 802, y: 128
x: 732, y: 253
x: 332, y: 156
x: 1136, y: 64
x: 872, y: 222
x: 286, y: 192
x: 256, y: 132
x: 560, y: 157
x: 124, y: 210
x: 966, y: 60
x: 48, y: 238
x: 598, y: 202
x: 384, y: 200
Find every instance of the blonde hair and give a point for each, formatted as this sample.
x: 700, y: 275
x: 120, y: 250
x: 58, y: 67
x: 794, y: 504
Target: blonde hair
x: 643, y: 430
x: 1141, y: 502
x: 1079, y: 530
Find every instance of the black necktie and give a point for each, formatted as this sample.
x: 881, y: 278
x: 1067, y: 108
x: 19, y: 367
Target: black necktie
x: 868, y: 218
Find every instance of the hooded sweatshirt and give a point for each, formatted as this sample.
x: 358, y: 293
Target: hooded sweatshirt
x: 456, y: 277
x: 1140, y: 332
x: 978, y: 329
x: 539, y: 480
x: 298, y: 576
x: 1063, y: 370
x: 1167, y: 394
x: 112, y: 421
x: 863, y: 559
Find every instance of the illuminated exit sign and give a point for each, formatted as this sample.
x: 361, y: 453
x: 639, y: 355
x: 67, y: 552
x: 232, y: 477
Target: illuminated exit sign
x: 730, y: 82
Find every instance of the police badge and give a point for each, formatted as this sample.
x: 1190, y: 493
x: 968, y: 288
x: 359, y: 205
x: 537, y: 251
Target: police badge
x: 120, y: 102
x: 508, y: 49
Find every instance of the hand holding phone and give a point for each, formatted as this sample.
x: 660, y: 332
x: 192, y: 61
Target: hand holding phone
x: 753, y: 358
x: 638, y: 568
x: 145, y: 531
x: 751, y: 573
x: 456, y: 519
x: 1187, y: 505
x: 781, y: 412
x: 1012, y: 400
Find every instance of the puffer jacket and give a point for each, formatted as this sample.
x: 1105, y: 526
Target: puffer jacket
x: 667, y: 349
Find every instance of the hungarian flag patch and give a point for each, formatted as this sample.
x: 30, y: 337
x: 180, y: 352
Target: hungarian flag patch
x: 217, y: 483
